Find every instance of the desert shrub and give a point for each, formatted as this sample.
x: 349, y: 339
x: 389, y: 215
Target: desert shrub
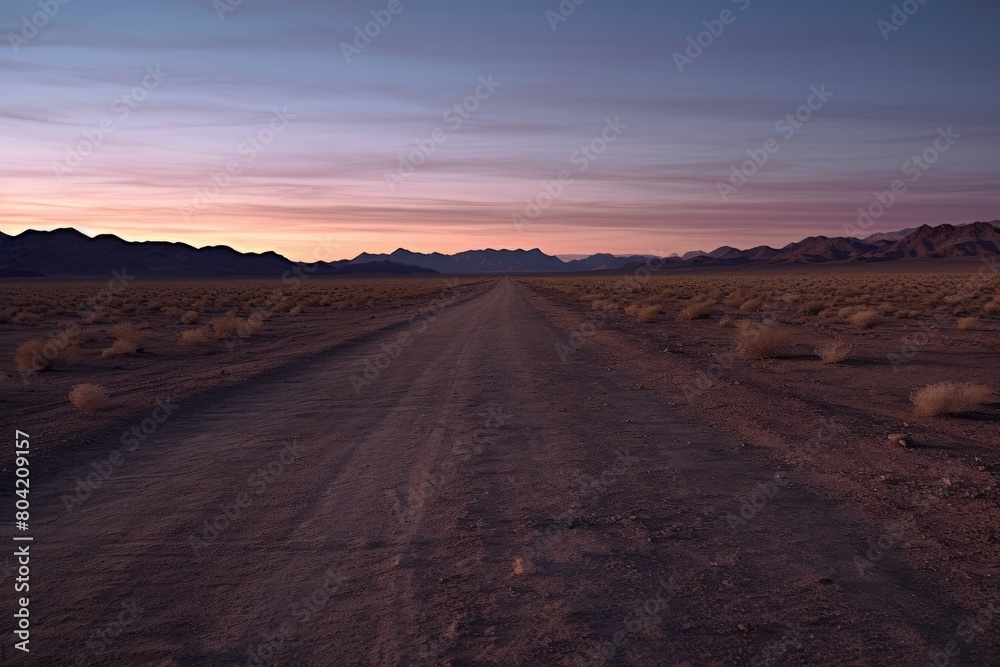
x: 950, y: 398
x: 26, y: 319
x: 726, y: 321
x: 833, y: 351
x: 696, y: 311
x: 967, y: 322
x: 129, y: 339
x: 226, y: 325
x: 31, y: 356
x: 751, y: 305
x: 89, y: 397
x: 992, y: 308
x: 598, y: 304
x: 120, y: 348
x: 734, y: 300
x: 190, y: 317
x: 764, y: 340
x: 590, y: 297
x: 648, y: 313
x: 196, y: 336
x: 864, y: 319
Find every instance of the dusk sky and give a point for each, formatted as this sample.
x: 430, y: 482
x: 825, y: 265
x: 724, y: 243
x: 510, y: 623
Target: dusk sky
x: 325, y: 179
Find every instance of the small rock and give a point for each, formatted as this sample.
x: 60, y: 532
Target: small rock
x: 901, y: 439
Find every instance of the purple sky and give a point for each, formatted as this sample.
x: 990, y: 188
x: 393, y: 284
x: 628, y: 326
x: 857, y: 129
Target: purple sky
x: 122, y: 117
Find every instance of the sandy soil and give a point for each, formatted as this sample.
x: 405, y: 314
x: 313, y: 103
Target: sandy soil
x: 473, y: 499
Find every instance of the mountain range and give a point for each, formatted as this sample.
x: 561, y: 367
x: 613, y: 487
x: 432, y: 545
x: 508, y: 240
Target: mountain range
x: 68, y: 252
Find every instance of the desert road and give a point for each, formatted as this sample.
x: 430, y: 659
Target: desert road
x: 454, y: 493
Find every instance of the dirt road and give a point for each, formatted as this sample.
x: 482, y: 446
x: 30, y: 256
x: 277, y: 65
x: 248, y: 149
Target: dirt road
x: 456, y: 495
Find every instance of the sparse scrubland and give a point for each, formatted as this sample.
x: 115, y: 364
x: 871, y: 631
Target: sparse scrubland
x: 161, y: 333
x: 875, y: 392
x: 888, y: 328
x: 783, y: 358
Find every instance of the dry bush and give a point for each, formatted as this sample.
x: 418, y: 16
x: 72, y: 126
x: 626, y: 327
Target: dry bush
x: 764, y: 340
x: 590, y: 297
x: 196, y: 336
x: 734, y: 300
x: 89, y: 397
x: 26, y: 319
x: 992, y: 308
x: 950, y: 398
x: 129, y: 339
x: 226, y: 326
x: 726, y: 321
x: 648, y: 313
x: 31, y: 356
x: 967, y: 323
x: 190, y: 317
x: 865, y: 319
x: 120, y: 348
x: 697, y: 311
x: 751, y: 305
x: 598, y: 304
x: 834, y: 351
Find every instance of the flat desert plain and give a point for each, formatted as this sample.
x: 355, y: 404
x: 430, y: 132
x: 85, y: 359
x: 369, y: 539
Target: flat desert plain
x: 797, y: 468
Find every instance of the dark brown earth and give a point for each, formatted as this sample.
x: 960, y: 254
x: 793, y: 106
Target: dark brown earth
x: 479, y: 501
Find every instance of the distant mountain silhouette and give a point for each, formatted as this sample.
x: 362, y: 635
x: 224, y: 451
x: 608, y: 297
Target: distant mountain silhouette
x: 473, y: 261
x: 821, y: 249
x: 68, y: 252
x: 603, y: 261
x: 980, y: 239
